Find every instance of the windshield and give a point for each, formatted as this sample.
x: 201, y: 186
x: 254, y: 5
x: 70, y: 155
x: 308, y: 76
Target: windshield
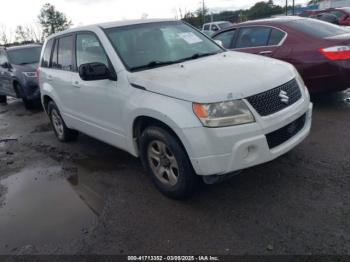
x: 317, y: 28
x: 225, y: 25
x: 155, y: 44
x: 28, y: 55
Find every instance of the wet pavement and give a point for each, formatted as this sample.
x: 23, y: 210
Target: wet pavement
x: 88, y: 197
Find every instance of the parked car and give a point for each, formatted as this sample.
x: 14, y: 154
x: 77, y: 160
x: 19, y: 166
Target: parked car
x: 164, y: 92
x: 211, y: 28
x: 18, y: 76
x: 320, y: 51
x: 342, y: 14
x: 309, y: 13
x: 327, y: 17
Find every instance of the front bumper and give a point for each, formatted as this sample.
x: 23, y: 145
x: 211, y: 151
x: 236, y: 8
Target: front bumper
x: 230, y: 149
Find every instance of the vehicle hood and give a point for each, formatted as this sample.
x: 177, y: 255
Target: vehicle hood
x: 26, y: 68
x: 221, y: 77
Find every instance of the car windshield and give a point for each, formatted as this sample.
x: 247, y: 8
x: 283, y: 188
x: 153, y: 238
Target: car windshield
x: 225, y: 25
x: 151, y: 45
x: 317, y: 28
x: 23, y: 56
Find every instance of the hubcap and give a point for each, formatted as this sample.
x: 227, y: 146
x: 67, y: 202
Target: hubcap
x: 163, y: 162
x: 57, y: 123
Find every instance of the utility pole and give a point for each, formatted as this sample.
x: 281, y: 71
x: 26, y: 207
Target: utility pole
x: 286, y: 7
x: 293, y: 7
x: 203, y: 10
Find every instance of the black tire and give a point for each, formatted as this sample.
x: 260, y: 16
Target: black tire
x: 63, y: 134
x: 3, y: 99
x: 28, y: 104
x: 187, y: 180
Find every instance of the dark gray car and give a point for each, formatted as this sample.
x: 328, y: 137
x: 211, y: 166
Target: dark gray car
x: 18, y: 75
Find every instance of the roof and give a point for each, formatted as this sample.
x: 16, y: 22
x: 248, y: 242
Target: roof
x: 114, y: 24
x: 282, y: 19
x: 23, y: 46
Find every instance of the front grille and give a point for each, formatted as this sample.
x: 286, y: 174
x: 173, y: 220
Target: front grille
x: 270, y: 102
x: 282, y: 135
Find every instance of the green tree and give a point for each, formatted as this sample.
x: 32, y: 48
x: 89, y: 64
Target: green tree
x: 52, y: 20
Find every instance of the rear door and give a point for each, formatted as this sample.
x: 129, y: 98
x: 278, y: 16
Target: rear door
x: 259, y: 40
x: 5, y: 76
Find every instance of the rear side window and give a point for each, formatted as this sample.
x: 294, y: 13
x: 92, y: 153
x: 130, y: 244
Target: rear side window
x: 65, y: 53
x: 253, y: 37
x: 206, y: 27
x: 276, y: 37
x: 317, y: 28
x: 45, y: 61
x: 2, y: 57
x: 226, y: 38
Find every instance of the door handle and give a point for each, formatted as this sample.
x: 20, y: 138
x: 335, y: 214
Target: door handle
x: 265, y: 53
x: 76, y: 84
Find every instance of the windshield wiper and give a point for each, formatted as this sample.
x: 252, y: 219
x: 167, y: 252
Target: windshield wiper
x: 199, y: 55
x: 152, y: 64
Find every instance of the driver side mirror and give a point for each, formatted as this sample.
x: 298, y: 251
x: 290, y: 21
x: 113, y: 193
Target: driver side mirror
x: 219, y: 42
x: 95, y: 71
x: 6, y: 65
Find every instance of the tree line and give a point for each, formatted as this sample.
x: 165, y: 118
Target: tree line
x: 261, y: 9
x: 50, y: 21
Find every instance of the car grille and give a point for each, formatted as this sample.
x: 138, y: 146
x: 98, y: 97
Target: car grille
x: 270, y: 102
x: 282, y: 135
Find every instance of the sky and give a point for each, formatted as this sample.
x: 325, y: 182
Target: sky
x: 84, y: 12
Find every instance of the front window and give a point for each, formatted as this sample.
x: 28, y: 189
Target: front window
x: 24, y: 56
x: 150, y: 45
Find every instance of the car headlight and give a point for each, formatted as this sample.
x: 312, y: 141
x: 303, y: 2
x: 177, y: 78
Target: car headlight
x: 223, y: 114
x: 30, y: 74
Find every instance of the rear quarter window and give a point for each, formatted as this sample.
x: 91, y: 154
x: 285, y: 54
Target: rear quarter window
x: 317, y: 28
x: 276, y: 37
x: 45, y: 61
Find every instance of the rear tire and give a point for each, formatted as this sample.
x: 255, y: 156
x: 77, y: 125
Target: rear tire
x: 62, y: 132
x: 167, y: 163
x: 3, y: 99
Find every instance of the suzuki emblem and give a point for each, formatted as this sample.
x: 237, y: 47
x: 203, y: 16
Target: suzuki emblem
x: 284, y: 97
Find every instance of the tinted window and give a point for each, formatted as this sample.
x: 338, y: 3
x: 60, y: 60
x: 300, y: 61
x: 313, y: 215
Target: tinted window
x: 338, y: 14
x: 47, y: 54
x: 214, y: 28
x: 317, y: 28
x: 170, y: 42
x: 226, y: 38
x: 54, y: 63
x: 206, y: 27
x: 89, y: 50
x: 29, y: 55
x: 2, y: 57
x: 224, y: 25
x: 65, y: 53
x: 276, y: 37
x: 253, y: 37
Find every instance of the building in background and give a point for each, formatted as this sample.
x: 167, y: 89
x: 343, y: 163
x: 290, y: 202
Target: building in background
x: 334, y: 3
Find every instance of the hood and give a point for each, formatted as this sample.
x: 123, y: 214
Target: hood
x: 27, y: 67
x: 221, y: 77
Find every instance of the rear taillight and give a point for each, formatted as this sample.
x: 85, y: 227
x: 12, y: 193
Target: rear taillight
x: 336, y: 52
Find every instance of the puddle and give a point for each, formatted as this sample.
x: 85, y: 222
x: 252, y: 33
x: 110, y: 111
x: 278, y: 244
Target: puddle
x: 42, y: 207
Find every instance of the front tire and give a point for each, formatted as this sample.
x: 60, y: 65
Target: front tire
x: 3, y: 99
x: 62, y: 132
x: 167, y: 163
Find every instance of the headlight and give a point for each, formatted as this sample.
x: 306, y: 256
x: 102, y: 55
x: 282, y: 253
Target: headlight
x: 299, y: 79
x: 223, y: 114
x: 30, y: 74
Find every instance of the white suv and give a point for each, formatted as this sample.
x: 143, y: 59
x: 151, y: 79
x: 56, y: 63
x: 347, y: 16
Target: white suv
x: 164, y: 92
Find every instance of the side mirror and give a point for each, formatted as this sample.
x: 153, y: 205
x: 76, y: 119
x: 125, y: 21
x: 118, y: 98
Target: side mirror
x: 6, y: 65
x: 95, y: 71
x: 219, y: 42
